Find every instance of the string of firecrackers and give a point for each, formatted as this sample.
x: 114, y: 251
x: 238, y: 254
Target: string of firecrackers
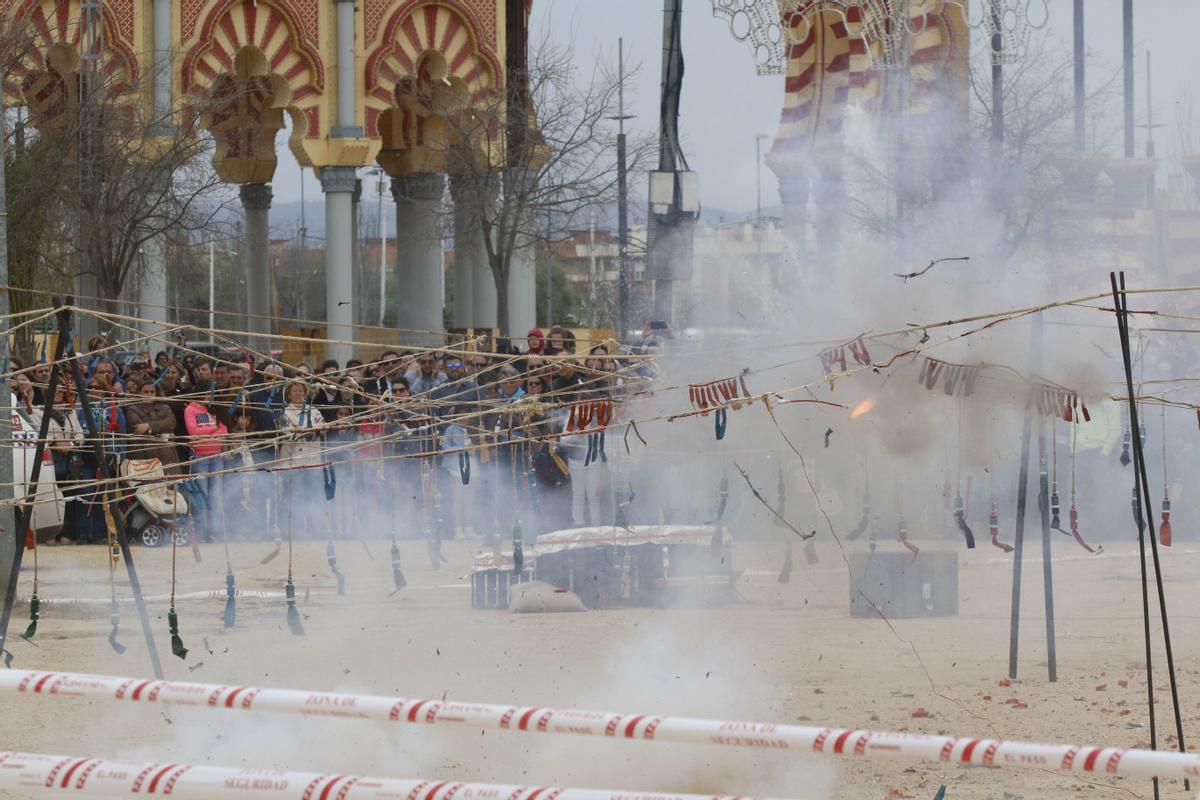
x: 718, y: 394
x: 718, y: 397
x: 958, y: 380
x: 1047, y: 398
x: 1052, y: 400
x: 534, y: 720
x: 835, y: 356
x: 589, y: 416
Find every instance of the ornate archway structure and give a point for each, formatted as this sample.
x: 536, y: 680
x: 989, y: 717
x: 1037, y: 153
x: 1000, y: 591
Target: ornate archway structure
x: 248, y: 63
x: 432, y: 76
x: 360, y: 81
x: 831, y: 68
x: 45, y: 79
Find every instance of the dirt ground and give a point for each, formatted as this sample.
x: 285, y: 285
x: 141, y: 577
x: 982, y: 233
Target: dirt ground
x: 782, y: 653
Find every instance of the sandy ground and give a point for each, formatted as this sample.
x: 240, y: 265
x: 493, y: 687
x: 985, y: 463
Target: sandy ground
x: 782, y: 653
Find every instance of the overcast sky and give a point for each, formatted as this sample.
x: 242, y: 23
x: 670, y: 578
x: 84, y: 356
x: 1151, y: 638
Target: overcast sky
x: 725, y: 103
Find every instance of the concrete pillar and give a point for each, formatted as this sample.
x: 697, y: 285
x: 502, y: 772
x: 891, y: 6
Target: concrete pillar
x: 793, y: 193
x: 483, y: 283
x: 256, y: 205
x: 338, y: 185
x: 162, y: 61
x: 1079, y: 172
x: 356, y: 276
x: 1192, y: 164
x: 419, y: 255
x: 347, y: 100
x: 1131, y: 179
x: 152, y: 287
x: 830, y: 204
x: 522, y: 291
x: 484, y: 309
x: 672, y: 269
x: 468, y: 246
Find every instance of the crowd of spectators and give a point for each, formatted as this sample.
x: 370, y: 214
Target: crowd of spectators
x: 462, y: 439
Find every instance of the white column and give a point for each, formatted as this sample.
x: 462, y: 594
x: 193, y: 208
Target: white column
x: 829, y: 198
x: 522, y: 292
x: 152, y: 287
x: 793, y: 193
x: 419, y: 255
x: 356, y: 277
x: 338, y: 185
x: 256, y: 204
x: 152, y: 281
x: 162, y: 60
x: 483, y: 283
x: 468, y: 241
x: 346, y: 127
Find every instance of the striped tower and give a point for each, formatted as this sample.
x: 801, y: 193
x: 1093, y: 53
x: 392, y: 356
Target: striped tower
x: 829, y: 70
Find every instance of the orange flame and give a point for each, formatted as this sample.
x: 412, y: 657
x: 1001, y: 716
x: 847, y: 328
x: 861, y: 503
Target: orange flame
x: 862, y: 408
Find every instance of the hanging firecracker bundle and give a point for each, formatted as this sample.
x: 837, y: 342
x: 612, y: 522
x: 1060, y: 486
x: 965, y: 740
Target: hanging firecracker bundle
x: 1073, y: 512
x: 833, y: 359
x: 957, y: 380
x: 719, y: 396
x: 591, y: 417
x: 1164, y: 528
x: 902, y: 536
x: 960, y: 521
x: 994, y: 528
x: 1052, y: 400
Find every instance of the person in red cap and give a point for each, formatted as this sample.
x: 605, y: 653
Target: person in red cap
x: 536, y: 341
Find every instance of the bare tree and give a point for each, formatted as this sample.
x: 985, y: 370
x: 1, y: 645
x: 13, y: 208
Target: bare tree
x: 32, y: 224
x: 541, y: 154
x: 947, y: 164
x: 102, y: 173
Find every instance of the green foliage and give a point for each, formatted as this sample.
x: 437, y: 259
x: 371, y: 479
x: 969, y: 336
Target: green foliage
x: 568, y: 305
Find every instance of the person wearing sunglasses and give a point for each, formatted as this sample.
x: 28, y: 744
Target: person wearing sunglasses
x: 426, y: 377
x: 459, y: 387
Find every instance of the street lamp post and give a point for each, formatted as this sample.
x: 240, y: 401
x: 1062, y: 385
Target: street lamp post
x: 212, y: 285
x: 758, y: 138
x: 623, y: 277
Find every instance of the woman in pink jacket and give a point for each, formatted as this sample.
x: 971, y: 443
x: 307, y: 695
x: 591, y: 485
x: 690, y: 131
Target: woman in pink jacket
x: 206, y: 436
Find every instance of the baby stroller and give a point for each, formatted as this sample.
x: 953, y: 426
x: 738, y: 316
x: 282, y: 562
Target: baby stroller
x: 152, y: 507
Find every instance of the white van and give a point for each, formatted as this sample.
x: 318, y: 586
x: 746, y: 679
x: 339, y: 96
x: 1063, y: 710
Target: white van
x: 48, y: 503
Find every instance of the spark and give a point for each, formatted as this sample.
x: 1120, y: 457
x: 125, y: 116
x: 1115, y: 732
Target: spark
x: 862, y: 408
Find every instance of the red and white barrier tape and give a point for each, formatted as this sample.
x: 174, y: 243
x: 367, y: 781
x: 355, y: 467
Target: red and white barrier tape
x: 33, y: 774
x: 754, y: 735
